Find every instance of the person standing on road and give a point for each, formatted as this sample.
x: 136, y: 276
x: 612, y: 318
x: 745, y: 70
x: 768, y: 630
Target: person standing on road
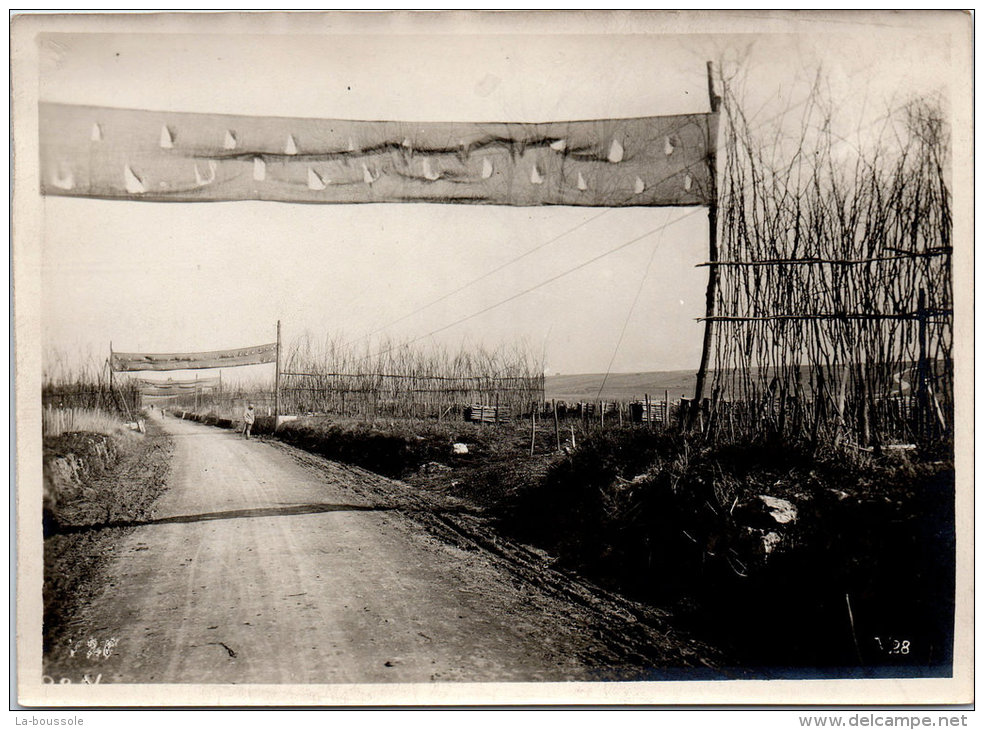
x: 248, y: 417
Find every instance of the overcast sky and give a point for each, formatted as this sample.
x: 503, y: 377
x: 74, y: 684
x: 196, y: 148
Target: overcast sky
x: 162, y: 277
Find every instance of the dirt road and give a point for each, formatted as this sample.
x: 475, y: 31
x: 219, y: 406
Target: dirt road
x: 262, y: 565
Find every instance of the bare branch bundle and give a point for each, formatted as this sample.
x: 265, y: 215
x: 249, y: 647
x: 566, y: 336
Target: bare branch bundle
x: 405, y: 381
x: 388, y: 380
x: 834, y: 309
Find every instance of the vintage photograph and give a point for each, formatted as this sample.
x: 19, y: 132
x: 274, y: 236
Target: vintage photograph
x: 474, y: 357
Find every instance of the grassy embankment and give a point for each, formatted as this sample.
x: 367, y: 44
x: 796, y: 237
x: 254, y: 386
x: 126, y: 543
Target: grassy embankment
x: 99, y: 477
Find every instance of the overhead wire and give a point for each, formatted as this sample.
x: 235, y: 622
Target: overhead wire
x: 541, y: 284
x: 628, y: 317
x: 512, y: 261
x: 484, y: 276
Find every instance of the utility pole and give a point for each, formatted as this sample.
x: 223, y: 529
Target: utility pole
x: 276, y: 385
x: 922, y: 370
x: 712, y: 216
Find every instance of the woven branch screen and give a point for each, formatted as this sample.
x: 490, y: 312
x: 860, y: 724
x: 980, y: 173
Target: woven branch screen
x: 833, y: 313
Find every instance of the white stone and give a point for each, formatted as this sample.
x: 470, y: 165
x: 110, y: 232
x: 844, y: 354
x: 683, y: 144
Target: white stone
x: 781, y: 510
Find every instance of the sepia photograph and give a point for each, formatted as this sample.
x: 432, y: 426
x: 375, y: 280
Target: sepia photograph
x: 478, y: 358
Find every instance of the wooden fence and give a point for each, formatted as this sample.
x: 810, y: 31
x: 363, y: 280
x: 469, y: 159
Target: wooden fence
x: 830, y: 299
x: 122, y: 399
x: 407, y: 396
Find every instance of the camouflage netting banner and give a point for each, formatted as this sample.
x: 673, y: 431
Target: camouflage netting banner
x: 137, y: 361
x: 175, y: 387
x: 129, y: 154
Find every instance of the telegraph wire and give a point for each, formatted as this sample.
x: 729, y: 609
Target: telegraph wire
x: 625, y: 324
x: 543, y: 283
x: 483, y: 276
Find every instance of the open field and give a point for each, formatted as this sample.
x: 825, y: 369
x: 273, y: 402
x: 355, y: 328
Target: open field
x: 620, y: 386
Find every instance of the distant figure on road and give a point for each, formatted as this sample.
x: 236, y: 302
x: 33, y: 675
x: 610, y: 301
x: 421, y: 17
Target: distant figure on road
x: 248, y: 417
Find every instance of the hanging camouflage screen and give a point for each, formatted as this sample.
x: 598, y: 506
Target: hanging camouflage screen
x: 138, y: 361
x: 161, y: 156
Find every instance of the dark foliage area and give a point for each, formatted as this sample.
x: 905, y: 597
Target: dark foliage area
x: 867, y: 542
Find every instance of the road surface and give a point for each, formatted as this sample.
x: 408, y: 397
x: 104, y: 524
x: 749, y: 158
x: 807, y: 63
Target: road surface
x: 263, y: 566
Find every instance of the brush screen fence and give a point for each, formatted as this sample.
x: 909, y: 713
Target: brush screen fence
x: 409, y: 395
x: 833, y: 312
x: 123, y: 399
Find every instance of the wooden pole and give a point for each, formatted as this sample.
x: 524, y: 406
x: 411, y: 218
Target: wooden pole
x: 553, y: 407
x: 666, y: 409
x: 712, y: 245
x: 532, y: 430
x: 922, y: 393
x: 276, y: 385
x: 112, y: 393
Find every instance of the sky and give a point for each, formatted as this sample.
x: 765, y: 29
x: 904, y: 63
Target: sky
x: 164, y: 277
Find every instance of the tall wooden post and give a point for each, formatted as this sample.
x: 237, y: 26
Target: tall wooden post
x: 112, y: 393
x: 922, y: 369
x: 553, y: 407
x: 712, y: 247
x: 276, y: 385
x: 532, y: 430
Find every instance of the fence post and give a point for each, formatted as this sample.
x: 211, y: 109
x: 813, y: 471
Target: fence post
x: 276, y: 385
x: 532, y: 430
x: 553, y: 407
x: 922, y: 417
x: 112, y: 393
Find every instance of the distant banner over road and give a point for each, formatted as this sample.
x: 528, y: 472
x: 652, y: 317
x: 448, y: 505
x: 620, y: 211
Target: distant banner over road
x: 175, y: 387
x: 136, y: 361
x: 130, y: 154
